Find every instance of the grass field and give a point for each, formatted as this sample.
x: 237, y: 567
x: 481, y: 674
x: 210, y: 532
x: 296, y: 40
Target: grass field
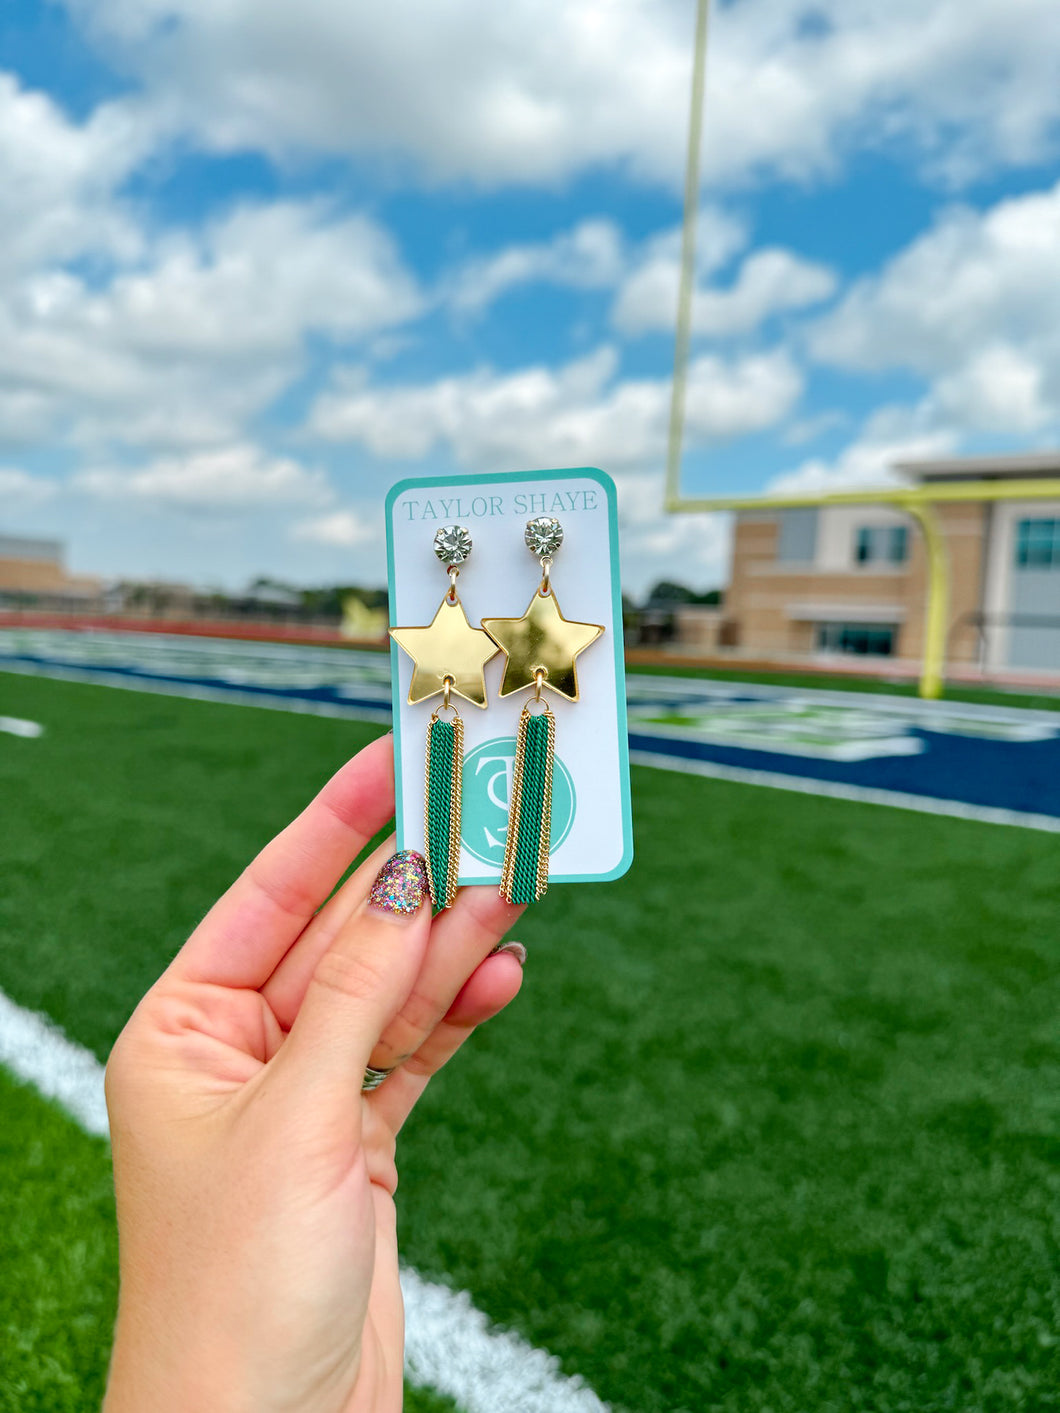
x: 775, y: 1124
x: 855, y: 682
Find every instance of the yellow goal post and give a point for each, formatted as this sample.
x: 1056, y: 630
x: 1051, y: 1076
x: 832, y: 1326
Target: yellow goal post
x: 919, y: 502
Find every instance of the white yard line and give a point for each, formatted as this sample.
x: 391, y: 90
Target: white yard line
x: 861, y: 794
x: 37, y: 1050
x: 198, y: 693
x: 803, y: 785
x: 15, y: 726
x: 449, y: 1345
x: 639, y: 684
x: 643, y: 690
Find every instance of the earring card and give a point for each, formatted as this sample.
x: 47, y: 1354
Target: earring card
x: 592, y: 835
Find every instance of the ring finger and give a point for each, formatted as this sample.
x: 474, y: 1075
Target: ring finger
x: 492, y: 985
x: 461, y: 938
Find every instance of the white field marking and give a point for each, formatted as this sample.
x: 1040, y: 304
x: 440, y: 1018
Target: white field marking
x: 15, y: 726
x: 37, y: 1051
x: 648, y: 687
x: 449, y: 1345
x: 225, y: 660
x: 860, y: 794
x: 923, y: 804
x: 378, y: 715
x: 750, y: 737
x: 287, y: 663
x: 643, y: 690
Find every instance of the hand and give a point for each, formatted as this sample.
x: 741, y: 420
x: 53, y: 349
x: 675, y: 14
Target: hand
x: 255, y: 1182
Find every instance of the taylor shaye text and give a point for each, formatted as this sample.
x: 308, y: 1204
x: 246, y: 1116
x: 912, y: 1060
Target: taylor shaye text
x: 485, y: 507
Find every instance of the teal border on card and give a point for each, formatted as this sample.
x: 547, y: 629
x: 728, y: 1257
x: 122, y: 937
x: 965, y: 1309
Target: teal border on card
x: 604, y: 481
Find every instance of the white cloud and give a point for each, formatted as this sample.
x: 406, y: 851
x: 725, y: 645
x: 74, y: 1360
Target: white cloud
x: 734, y: 398
x: 209, y: 330
x: 810, y: 428
x: 690, y: 548
x: 591, y: 256
x: 19, y: 487
x: 531, y: 91
x: 973, y: 305
x: 768, y: 282
x: 114, y: 334
x: 25, y: 416
x: 966, y: 85
x: 464, y: 89
x: 647, y: 295
x: 890, y: 435
x: 580, y: 414
x: 233, y: 478
x: 596, y: 255
x: 258, y: 280
x: 58, y: 179
x: 343, y: 528
x: 972, y: 271
x: 1001, y: 389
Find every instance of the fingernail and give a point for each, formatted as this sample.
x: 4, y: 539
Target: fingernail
x: 401, y: 884
x: 517, y: 950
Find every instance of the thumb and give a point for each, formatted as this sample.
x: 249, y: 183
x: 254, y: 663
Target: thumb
x: 361, y: 981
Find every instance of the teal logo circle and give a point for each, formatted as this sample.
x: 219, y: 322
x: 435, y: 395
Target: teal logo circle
x: 487, y: 792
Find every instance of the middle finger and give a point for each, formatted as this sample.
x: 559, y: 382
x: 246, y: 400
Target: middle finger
x: 461, y: 938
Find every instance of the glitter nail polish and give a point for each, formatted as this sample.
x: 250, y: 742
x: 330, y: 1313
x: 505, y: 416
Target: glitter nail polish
x: 401, y: 884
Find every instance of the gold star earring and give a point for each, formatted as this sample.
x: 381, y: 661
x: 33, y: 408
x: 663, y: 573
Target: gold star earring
x: 541, y: 650
x: 449, y: 657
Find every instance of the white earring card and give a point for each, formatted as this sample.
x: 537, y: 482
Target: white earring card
x: 591, y: 833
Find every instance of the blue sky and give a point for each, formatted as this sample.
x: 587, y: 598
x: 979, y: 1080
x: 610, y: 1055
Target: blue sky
x: 264, y: 259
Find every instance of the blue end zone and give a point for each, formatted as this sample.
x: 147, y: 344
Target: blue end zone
x: 1022, y: 776
x: 993, y: 759
x: 325, y: 694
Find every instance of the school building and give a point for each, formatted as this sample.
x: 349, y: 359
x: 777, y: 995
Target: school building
x: 828, y: 581
x: 32, y: 573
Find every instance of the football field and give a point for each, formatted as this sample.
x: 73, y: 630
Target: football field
x: 774, y: 1124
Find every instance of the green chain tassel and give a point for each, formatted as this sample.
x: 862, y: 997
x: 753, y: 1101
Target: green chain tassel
x: 445, y: 754
x: 524, y: 878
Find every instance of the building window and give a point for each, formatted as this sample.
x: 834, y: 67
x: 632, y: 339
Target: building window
x: 797, y: 536
x: 881, y: 544
x: 1038, y: 544
x: 860, y: 639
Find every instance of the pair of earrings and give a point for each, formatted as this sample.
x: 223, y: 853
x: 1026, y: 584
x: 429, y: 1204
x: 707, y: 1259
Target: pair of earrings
x: 449, y: 659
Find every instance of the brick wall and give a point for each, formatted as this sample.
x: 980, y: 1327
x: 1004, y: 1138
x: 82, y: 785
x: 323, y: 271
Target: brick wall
x: 772, y: 602
x: 44, y: 576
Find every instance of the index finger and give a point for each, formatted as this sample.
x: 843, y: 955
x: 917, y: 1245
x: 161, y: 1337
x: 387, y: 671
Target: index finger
x: 248, y: 931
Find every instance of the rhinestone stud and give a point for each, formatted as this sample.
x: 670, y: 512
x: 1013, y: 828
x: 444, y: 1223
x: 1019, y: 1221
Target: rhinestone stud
x: 544, y: 535
x: 452, y: 544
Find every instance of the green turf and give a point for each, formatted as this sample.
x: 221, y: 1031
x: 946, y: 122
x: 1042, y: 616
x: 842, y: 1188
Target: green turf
x: 422, y: 1400
x: 852, y: 682
x: 803, y: 1150
x: 109, y: 859
x: 774, y: 1125
x: 134, y: 812
x: 57, y: 1255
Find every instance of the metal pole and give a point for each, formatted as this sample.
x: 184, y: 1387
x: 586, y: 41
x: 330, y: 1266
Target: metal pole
x: 682, y: 337
x: 933, y: 667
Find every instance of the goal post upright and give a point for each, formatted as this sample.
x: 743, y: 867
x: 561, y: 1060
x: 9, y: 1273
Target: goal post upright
x: 919, y: 502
